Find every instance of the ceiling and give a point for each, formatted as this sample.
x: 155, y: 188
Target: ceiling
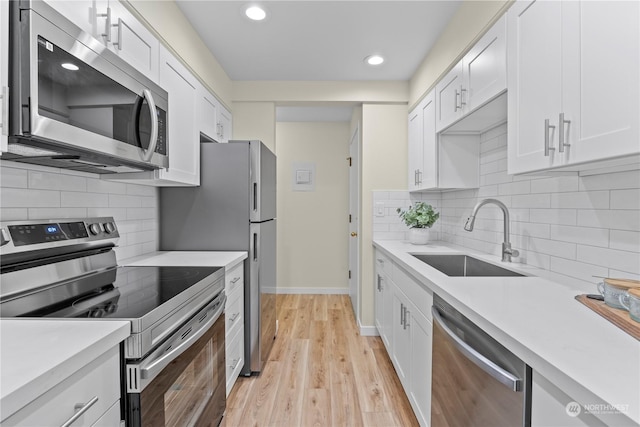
x: 320, y: 40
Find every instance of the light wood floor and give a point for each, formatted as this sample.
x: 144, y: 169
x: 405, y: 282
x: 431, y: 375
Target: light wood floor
x: 321, y: 372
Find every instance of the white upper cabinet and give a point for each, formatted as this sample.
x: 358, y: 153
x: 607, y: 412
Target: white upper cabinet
x: 184, y: 137
x: 438, y: 161
x: 479, y: 77
x: 131, y: 40
x: 573, y: 83
x: 115, y: 27
x: 449, y: 93
x: 4, y: 77
x: 215, y: 120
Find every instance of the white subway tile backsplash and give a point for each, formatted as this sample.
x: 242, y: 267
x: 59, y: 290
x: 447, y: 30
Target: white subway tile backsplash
x: 625, y: 199
x: 554, y: 216
x: 555, y: 185
x: 625, y: 240
x: 56, y: 181
x: 613, y: 219
x: 95, y: 185
x: 26, y: 198
x: 531, y: 201
x: 13, y: 214
x: 141, y: 213
x: 89, y: 200
x: 522, y: 187
x: 529, y: 229
x: 583, y: 235
x: 50, y: 213
x: 610, y: 258
x: 12, y: 177
x: 120, y: 201
x: 581, y: 200
x: 141, y: 190
x: 552, y: 247
x: 611, y: 181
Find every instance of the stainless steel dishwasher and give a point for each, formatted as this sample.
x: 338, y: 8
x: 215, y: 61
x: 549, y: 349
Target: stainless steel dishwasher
x: 475, y: 380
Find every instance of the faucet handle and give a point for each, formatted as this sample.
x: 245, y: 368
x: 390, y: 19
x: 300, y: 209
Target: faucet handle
x: 515, y: 253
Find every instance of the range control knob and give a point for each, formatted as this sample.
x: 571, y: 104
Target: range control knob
x: 109, y: 227
x: 4, y: 237
x: 94, y: 229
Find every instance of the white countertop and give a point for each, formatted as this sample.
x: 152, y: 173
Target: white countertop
x: 188, y: 258
x: 35, y: 354
x: 540, y: 321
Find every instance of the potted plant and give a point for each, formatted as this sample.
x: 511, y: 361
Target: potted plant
x: 419, y: 218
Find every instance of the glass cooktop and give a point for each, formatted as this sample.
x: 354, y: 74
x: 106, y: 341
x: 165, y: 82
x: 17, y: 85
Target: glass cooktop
x: 118, y: 293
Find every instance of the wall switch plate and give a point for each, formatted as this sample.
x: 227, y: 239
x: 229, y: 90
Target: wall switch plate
x: 379, y: 211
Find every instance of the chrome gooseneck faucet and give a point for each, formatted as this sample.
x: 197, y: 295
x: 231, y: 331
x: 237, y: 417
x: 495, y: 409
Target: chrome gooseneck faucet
x: 507, y: 252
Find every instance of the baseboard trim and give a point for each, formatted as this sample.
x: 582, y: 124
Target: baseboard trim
x: 368, y: 331
x: 308, y: 291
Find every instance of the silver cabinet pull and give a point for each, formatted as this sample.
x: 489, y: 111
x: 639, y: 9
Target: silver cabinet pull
x: 234, y: 317
x: 107, y: 25
x: 235, y: 363
x: 235, y: 280
x: 504, y: 377
x: 401, y: 313
x: 119, y: 42
x: 561, y: 135
x: 406, y: 314
x: 379, y: 280
x: 455, y: 101
x: 547, y: 139
x: 4, y: 99
x: 462, y: 91
x: 419, y: 177
x: 80, y: 409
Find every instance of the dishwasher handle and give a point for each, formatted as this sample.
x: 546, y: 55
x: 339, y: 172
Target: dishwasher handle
x: 504, y: 377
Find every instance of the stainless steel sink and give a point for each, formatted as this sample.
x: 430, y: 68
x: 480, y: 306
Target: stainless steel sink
x: 465, y: 266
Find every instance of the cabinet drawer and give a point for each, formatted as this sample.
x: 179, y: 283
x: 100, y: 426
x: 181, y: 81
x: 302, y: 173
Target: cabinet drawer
x: 415, y: 292
x: 99, y: 379
x: 384, y: 263
x: 234, y: 313
x: 110, y: 418
x: 234, y: 278
x: 234, y: 358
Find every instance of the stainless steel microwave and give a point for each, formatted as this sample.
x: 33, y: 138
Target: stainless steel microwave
x: 76, y: 105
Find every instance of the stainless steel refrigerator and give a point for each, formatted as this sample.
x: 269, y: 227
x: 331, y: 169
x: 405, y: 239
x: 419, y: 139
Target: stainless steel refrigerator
x: 233, y: 209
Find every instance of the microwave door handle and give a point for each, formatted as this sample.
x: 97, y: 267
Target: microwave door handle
x: 153, y: 139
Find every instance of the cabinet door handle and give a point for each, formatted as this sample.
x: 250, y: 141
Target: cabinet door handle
x: 235, y: 280
x: 107, y: 25
x: 455, y: 101
x: 405, y: 323
x: 419, y: 177
x: 547, y: 139
x: 235, y: 363
x: 80, y: 408
x: 402, y: 308
x: 561, y: 135
x: 119, y: 42
x: 462, y: 91
x: 234, y: 317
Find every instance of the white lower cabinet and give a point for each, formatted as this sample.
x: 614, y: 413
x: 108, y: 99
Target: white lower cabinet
x: 234, y: 323
x: 4, y: 74
x: 94, y: 388
x: 403, y: 319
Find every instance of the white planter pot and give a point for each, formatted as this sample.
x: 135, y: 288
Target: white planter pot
x: 419, y: 236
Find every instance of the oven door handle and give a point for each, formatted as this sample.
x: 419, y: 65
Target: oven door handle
x: 151, y: 368
x: 503, y: 376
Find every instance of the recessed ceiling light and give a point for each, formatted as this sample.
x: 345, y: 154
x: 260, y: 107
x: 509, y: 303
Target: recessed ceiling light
x: 255, y: 13
x: 374, y: 60
x: 69, y: 66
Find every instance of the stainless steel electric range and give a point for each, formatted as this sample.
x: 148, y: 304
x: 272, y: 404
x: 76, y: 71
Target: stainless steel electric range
x: 173, y: 368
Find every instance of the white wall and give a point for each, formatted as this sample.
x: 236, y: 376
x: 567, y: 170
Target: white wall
x: 383, y: 166
x: 34, y: 192
x: 255, y: 120
x: 312, y: 225
x: 577, y: 227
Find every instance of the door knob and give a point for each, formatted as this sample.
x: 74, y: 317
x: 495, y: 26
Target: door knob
x: 354, y: 234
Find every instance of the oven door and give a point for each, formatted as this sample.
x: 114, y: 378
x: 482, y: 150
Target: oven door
x: 72, y: 95
x: 183, y: 382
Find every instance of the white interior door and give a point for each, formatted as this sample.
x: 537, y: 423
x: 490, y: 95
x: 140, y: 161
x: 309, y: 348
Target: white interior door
x: 354, y: 222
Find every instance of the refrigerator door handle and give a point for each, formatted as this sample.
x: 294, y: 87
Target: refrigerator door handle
x: 255, y: 197
x: 255, y: 246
